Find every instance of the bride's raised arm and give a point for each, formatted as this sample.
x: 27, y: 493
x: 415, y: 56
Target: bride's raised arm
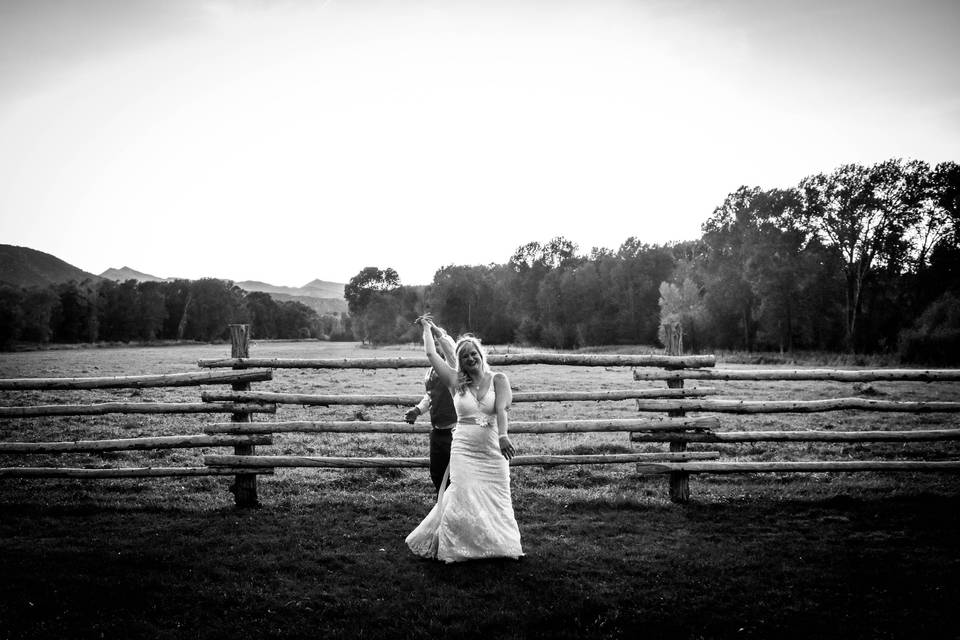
x: 446, y: 373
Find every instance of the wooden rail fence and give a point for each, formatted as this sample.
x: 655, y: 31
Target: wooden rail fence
x: 677, y: 429
x: 674, y: 425
x: 193, y: 378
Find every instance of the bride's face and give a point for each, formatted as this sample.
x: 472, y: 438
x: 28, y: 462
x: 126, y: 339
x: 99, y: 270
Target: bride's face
x: 470, y: 359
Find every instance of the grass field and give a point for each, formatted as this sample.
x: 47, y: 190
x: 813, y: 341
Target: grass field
x: 755, y: 556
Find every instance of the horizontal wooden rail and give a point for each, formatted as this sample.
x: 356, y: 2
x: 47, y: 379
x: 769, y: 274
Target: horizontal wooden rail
x: 801, y: 436
x: 132, y: 444
x: 801, y: 467
x: 840, y: 375
x: 133, y: 407
x: 124, y: 472
x: 566, y: 426
x: 307, y: 399
x: 194, y: 378
x: 257, y: 462
x: 496, y: 360
x: 612, y: 395
x: 380, y: 400
x: 795, y: 406
x: 612, y: 458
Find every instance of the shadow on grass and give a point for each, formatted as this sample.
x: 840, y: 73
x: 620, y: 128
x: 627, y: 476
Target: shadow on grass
x: 863, y: 567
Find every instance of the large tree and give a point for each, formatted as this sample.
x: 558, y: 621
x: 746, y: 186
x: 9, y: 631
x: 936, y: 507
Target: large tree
x: 75, y: 319
x: 945, y: 191
x: 775, y: 266
x: 528, y: 267
x: 729, y: 298
x: 472, y: 299
x: 213, y: 305
x: 376, y: 302
x: 866, y: 213
x: 680, y: 306
x: 631, y: 293
x: 263, y: 314
x: 11, y: 314
x: 296, y: 320
x: 152, y: 310
x: 39, y: 307
x: 359, y: 291
x: 118, y: 307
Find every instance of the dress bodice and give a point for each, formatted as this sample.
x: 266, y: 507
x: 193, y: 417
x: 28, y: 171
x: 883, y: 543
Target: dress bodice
x: 471, y: 409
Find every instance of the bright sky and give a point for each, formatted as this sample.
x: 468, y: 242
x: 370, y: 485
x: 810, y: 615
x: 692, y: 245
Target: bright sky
x: 290, y: 140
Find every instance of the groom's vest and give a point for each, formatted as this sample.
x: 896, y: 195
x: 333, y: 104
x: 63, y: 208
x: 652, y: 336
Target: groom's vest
x: 442, y: 411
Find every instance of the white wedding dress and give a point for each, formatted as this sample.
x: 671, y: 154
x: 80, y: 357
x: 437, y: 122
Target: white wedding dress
x: 473, y: 517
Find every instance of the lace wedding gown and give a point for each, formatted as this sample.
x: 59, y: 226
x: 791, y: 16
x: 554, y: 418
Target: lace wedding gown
x: 473, y: 517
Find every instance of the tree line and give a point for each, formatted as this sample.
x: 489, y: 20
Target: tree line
x: 861, y: 259
x: 133, y: 311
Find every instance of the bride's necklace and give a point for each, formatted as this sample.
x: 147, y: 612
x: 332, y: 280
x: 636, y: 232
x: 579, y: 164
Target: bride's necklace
x: 475, y: 388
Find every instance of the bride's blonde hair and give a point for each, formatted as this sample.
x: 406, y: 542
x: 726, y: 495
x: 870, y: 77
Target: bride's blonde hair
x: 463, y: 378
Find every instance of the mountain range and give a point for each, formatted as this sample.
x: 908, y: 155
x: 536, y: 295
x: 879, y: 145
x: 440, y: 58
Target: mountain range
x: 25, y: 267
x: 126, y: 273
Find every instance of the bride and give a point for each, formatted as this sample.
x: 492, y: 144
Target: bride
x: 473, y: 517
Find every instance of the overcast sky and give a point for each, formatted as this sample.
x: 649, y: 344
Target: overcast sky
x: 291, y: 140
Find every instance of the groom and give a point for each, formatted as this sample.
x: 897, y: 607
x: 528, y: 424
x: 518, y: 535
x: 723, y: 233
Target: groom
x: 443, y: 415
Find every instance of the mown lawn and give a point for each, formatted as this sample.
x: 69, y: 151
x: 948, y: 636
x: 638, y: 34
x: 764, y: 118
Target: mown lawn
x: 873, y: 566
x: 757, y: 556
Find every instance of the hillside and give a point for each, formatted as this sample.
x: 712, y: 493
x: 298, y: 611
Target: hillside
x: 126, y: 273
x: 320, y: 305
x: 320, y: 295
x: 324, y: 289
x: 25, y: 267
x: 314, y: 289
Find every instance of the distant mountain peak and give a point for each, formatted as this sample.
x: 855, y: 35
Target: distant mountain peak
x: 324, y: 288
x: 25, y: 267
x: 126, y: 273
x: 314, y: 289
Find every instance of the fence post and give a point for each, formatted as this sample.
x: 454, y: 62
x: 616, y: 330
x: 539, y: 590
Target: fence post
x: 679, y: 480
x: 245, y: 484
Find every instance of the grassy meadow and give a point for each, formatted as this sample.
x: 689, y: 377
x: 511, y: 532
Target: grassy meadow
x: 752, y: 556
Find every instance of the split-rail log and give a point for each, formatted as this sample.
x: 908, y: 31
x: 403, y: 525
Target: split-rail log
x: 194, y: 378
x: 797, y: 406
x: 495, y: 360
x: 799, y: 467
x: 124, y: 472
x: 920, y: 435
x: 401, y: 400
x: 133, y: 408
x: 132, y: 444
x: 383, y: 462
x: 866, y: 375
x: 560, y: 426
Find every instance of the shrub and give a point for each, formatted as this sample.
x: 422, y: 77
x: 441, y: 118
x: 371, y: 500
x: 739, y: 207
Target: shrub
x: 935, y: 338
x: 940, y: 347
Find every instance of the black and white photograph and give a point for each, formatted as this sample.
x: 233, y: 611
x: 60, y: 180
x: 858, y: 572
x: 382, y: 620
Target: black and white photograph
x: 585, y: 319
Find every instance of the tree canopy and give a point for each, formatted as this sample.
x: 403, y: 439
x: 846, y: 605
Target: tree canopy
x: 861, y: 258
